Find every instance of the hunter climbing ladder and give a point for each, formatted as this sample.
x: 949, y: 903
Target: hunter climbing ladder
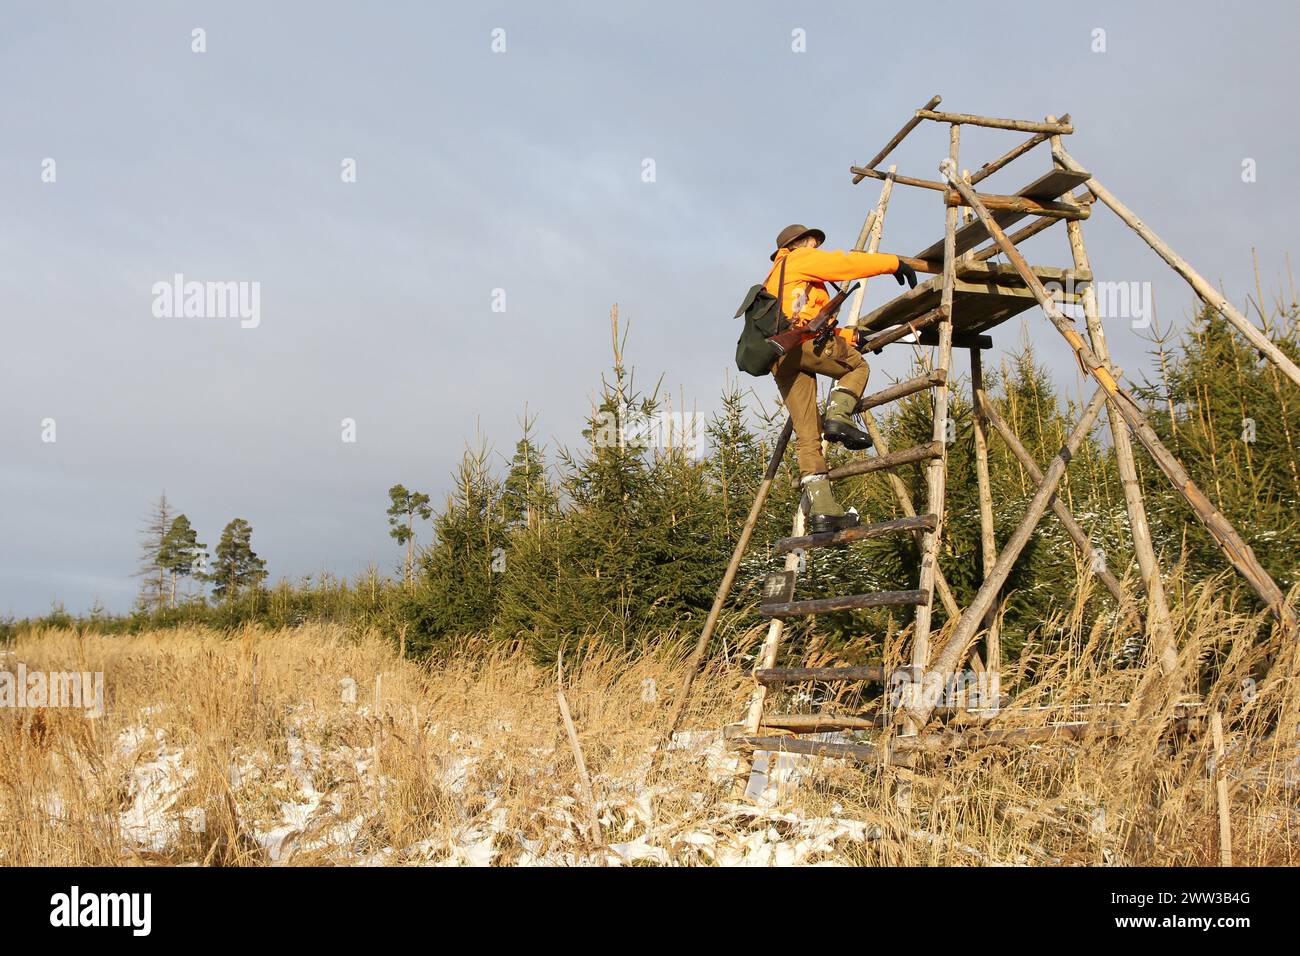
x: 967, y: 296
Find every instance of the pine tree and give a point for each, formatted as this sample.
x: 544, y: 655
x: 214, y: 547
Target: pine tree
x: 404, y: 507
x: 237, y: 568
x: 181, y: 554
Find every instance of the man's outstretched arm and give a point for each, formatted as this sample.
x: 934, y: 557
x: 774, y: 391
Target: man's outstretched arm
x: 840, y: 266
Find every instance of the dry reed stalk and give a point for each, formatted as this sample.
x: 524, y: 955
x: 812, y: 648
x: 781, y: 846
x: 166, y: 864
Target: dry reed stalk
x: 584, y: 780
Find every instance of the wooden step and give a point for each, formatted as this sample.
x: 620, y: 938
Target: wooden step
x: 902, y: 389
x: 830, y: 539
x: 894, y: 459
x: 820, y: 723
x: 846, y: 602
x: 770, y: 676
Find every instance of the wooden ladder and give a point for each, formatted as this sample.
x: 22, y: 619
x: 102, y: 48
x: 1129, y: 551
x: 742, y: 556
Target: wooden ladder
x: 779, y: 603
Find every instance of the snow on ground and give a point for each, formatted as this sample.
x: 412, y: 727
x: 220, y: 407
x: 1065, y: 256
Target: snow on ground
x: 318, y: 799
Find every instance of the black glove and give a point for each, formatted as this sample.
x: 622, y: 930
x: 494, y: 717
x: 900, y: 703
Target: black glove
x: 861, y: 340
x: 904, y: 271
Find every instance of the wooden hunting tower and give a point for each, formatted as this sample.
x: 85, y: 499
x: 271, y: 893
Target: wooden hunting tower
x: 968, y: 296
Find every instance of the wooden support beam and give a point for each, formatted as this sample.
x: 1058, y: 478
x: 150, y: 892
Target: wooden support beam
x: 891, y: 335
x: 902, y: 389
x: 818, y: 723
x: 971, y: 119
x: 863, y: 172
x: 988, y: 169
x: 988, y: 543
x: 1017, y: 237
x: 920, y: 703
x: 1221, y: 791
x: 831, y: 539
x: 977, y: 270
x: 1049, y: 187
x: 1072, y: 528
x: 936, y: 474
x: 904, y: 499
x: 1051, y: 208
x: 910, y: 125
x: 1207, y: 292
x: 1159, y: 629
x: 1238, y: 552
x: 772, y: 640
x: 869, y: 238
x: 728, y: 579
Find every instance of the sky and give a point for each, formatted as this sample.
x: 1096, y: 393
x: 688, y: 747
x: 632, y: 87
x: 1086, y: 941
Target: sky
x: 500, y: 154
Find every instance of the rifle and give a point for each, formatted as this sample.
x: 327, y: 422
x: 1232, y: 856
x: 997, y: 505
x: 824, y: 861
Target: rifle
x: 821, y: 328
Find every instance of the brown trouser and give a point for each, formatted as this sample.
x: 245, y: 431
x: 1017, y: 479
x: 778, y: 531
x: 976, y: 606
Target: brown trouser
x: 796, y: 376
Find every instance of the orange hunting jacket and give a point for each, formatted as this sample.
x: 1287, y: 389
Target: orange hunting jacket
x: 807, y: 271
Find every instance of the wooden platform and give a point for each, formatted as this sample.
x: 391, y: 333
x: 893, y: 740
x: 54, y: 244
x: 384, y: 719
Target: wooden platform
x: 977, y: 303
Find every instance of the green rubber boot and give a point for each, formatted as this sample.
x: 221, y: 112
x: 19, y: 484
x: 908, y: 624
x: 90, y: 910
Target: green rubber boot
x: 839, y: 425
x: 824, y: 512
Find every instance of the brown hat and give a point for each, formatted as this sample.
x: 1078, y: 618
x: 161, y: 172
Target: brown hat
x: 792, y: 234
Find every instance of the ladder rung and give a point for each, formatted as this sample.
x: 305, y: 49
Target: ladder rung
x: 847, y: 602
x: 829, y: 539
x: 903, y: 389
x: 817, y: 723
x: 795, y: 675
x: 893, y: 460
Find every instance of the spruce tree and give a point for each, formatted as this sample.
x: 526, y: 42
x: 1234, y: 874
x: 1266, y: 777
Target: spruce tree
x: 527, y: 497
x: 461, y: 572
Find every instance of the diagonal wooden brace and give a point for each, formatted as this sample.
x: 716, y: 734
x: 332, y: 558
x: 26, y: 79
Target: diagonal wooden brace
x: 1080, y: 537
x: 954, y: 652
x: 1207, y: 292
x: 1237, y: 551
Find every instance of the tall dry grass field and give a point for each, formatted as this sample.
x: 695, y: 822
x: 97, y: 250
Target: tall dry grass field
x: 304, y: 747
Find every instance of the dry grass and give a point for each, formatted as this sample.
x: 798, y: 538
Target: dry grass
x: 467, y: 762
